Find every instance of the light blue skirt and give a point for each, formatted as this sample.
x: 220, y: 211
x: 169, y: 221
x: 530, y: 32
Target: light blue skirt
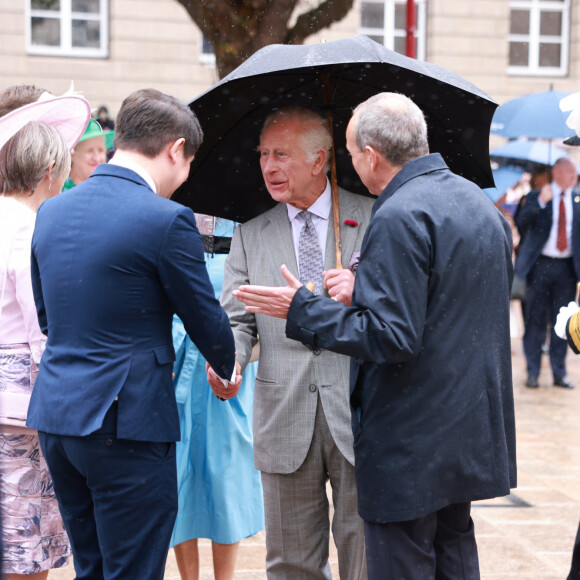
x: 220, y: 492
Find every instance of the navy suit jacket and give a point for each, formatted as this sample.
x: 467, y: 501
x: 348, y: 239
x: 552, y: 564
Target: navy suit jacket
x: 534, y: 224
x: 429, y: 334
x: 111, y: 263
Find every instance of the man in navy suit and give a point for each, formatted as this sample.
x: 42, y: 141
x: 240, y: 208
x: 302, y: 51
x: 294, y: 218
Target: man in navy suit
x: 112, y: 260
x: 428, y: 333
x: 549, y: 260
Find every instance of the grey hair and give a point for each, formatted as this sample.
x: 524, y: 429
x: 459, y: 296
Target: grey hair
x: 393, y: 125
x: 25, y: 157
x: 315, y: 133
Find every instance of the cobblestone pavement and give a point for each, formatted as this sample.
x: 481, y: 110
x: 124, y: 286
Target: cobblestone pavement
x: 526, y: 536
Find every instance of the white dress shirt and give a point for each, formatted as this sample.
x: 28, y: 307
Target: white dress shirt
x: 123, y: 161
x: 320, y: 211
x: 18, y: 319
x: 550, y: 249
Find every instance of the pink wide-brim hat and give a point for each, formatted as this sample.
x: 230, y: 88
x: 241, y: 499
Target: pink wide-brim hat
x: 68, y: 114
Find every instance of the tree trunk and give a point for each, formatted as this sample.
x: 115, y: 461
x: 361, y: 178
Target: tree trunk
x: 237, y: 29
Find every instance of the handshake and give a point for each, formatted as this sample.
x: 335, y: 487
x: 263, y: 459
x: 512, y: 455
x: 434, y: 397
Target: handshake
x: 222, y: 388
x: 275, y: 301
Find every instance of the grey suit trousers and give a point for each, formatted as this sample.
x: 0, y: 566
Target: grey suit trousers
x: 297, y: 515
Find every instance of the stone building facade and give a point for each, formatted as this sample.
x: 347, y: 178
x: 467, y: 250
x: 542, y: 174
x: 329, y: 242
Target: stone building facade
x: 112, y: 47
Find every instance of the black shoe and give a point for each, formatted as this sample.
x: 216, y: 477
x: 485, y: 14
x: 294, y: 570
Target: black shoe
x: 564, y: 383
x: 532, y: 382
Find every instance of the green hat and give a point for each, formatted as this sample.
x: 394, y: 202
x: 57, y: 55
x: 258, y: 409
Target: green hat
x: 94, y: 130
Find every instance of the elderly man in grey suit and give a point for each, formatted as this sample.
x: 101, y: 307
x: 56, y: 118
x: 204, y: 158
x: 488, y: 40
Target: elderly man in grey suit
x: 302, y: 424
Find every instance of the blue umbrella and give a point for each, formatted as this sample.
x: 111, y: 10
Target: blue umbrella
x: 537, y: 116
x: 527, y: 154
x: 504, y: 178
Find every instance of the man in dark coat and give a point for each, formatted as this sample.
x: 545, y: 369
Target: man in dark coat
x: 549, y: 260
x: 428, y: 333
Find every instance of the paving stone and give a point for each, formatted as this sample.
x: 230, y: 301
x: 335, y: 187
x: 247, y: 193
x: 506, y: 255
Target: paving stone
x: 526, y: 536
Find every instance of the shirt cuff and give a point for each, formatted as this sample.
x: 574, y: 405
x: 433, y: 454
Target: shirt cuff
x: 232, y: 380
x: 293, y: 328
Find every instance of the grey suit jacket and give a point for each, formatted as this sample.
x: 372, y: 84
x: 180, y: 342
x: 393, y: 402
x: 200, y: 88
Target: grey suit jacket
x: 290, y: 375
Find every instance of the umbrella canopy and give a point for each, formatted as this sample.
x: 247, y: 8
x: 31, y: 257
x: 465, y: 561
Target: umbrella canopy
x: 572, y: 103
x: 504, y: 178
x: 527, y: 154
x: 537, y: 116
x: 225, y: 178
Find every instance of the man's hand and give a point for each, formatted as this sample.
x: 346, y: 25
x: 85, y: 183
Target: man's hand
x: 220, y: 390
x: 546, y: 194
x: 271, y: 300
x: 340, y: 284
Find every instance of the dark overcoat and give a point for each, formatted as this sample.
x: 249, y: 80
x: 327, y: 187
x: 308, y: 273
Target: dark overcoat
x: 428, y: 332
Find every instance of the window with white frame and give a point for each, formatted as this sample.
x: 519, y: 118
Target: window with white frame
x: 539, y: 36
x: 385, y: 21
x: 68, y: 28
x: 207, y: 55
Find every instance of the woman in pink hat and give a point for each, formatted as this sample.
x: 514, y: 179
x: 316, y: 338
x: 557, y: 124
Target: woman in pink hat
x: 34, y: 162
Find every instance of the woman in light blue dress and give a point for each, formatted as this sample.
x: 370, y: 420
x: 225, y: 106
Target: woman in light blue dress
x: 220, y: 493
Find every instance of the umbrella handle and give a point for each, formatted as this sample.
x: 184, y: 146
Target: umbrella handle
x: 336, y: 217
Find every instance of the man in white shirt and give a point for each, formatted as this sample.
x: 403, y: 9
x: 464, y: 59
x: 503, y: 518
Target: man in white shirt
x: 549, y: 259
x: 302, y: 424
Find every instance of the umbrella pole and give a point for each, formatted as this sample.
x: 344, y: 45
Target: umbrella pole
x: 333, y: 178
x: 334, y: 190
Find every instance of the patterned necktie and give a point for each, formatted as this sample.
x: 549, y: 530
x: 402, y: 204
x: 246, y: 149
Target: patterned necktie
x: 309, y: 254
x: 562, y: 242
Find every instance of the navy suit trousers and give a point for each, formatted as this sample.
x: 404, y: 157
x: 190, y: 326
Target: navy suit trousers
x: 439, y: 546
x: 118, y: 500
x: 550, y: 284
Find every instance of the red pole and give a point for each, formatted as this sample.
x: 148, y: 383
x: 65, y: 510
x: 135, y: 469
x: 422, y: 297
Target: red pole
x: 410, y: 45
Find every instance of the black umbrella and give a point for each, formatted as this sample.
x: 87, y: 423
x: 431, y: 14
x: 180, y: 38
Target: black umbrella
x: 225, y: 178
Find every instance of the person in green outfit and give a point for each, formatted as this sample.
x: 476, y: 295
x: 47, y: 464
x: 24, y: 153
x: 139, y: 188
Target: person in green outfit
x: 88, y: 153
